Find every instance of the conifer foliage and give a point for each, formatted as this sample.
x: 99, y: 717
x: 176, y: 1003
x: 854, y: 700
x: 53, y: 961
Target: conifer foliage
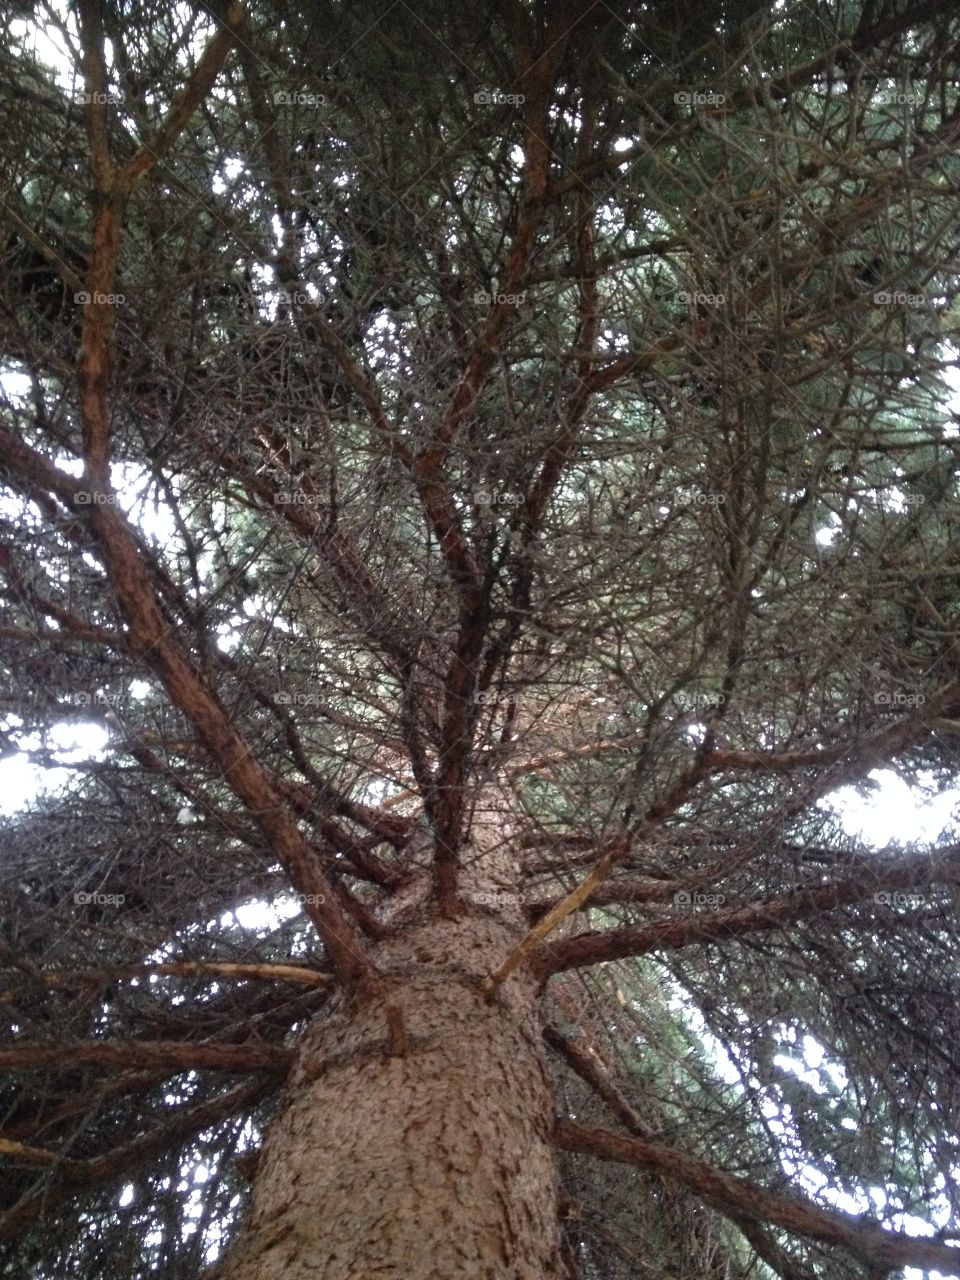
x: 497, y: 465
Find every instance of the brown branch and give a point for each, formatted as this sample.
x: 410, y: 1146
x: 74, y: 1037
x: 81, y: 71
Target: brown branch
x: 537, y: 77
x: 765, y: 1247
x: 156, y: 644
x: 717, y: 926
x: 35, y: 472
x: 60, y: 264
x: 95, y: 81
x: 297, y: 973
x: 154, y: 640
x: 71, y: 1177
x: 592, y: 1072
x: 678, y: 794
x: 174, y: 1056
x: 150, y: 634
x: 186, y: 102
x: 750, y: 95
x: 29, y: 1155
x: 735, y: 1197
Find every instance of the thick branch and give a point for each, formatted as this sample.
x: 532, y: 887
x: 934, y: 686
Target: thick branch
x: 68, y: 1178
x: 772, y: 913
x: 735, y: 1197
x: 675, y: 797
x: 187, y: 969
x: 588, y: 1067
x: 190, y: 96
x: 173, y: 1055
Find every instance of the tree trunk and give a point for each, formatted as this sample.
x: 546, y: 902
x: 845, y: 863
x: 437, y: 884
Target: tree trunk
x: 415, y: 1140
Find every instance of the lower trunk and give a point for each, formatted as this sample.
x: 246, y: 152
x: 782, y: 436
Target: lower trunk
x: 415, y: 1142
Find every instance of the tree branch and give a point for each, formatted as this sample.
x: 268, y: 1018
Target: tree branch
x: 588, y: 1067
x: 175, y: 1056
x: 68, y: 1178
x: 675, y: 797
x: 773, y: 913
x: 186, y: 102
x: 296, y: 973
x: 735, y: 1196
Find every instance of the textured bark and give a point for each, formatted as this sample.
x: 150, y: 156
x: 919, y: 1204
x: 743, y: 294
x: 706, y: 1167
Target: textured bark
x: 416, y: 1136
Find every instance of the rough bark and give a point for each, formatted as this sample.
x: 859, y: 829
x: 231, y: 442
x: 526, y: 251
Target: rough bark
x: 416, y: 1135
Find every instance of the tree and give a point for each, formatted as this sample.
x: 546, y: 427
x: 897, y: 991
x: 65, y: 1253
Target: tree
x: 478, y: 484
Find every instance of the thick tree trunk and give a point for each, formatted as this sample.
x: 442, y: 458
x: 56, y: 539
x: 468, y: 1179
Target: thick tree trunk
x: 415, y: 1142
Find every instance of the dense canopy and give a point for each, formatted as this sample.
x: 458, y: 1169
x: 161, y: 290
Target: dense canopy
x: 410, y: 410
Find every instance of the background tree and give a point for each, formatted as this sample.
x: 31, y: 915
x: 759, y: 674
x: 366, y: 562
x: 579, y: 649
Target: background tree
x: 478, y: 483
